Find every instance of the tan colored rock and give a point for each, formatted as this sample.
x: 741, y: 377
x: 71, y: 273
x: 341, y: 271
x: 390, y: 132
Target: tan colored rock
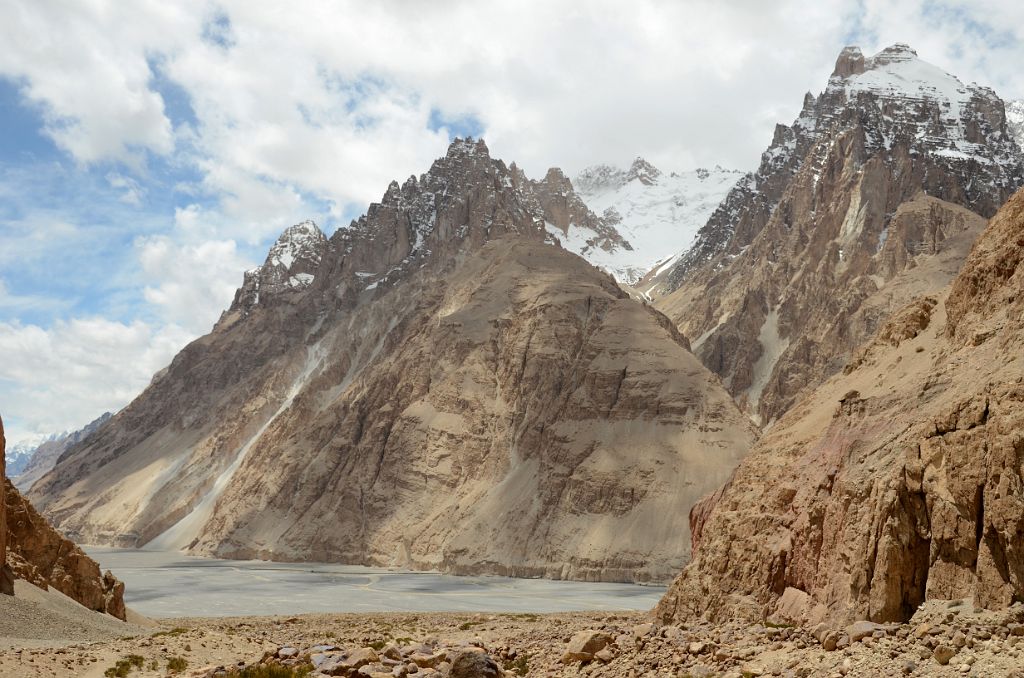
x: 943, y: 653
x: 584, y: 645
x: 898, y: 482
x: 6, y: 576
x: 39, y: 554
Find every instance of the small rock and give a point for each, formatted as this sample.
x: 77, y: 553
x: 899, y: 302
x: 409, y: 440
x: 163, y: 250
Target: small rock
x: 861, y: 629
x: 605, y: 655
x: 830, y: 641
x: 959, y: 640
x: 943, y: 653
x: 908, y: 667
x: 428, y: 661
x: 287, y: 652
x: 643, y: 630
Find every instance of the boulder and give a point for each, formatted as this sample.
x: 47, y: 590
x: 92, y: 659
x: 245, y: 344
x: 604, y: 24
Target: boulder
x: 584, y: 645
x: 470, y: 664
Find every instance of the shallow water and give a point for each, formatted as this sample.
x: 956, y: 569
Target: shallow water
x: 169, y: 584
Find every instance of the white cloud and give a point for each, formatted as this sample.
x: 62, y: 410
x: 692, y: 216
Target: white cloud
x: 63, y: 377
x: 191, y: 284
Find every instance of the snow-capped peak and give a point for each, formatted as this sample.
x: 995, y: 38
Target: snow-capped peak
x: 644, y: 172
x: 659, y: 214
x: 1015, y: 121
x: 302, y: 241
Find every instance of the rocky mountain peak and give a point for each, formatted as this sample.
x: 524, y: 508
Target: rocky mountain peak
x: 291, y: 265
x: 465, y: 199
x: 850, y: 62
x: 893, y: 104
x: 644, y: 172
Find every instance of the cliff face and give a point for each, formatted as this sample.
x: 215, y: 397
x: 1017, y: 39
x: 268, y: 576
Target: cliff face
x: 885, y: 170
x: 42, y: 556
x: 6, y: 578
x: 32, y: 550
x: 898, y: 481
x: 438, y: 385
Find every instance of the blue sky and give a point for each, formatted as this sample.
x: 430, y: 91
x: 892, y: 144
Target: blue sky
x: 151, y: 151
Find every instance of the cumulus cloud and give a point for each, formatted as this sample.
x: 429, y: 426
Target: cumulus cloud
x: 64, y: 376
x: 192, y: 284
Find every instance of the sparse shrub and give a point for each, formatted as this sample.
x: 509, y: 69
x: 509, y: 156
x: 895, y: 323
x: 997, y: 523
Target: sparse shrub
x: 520, y: 665
x: 176, y: 631
x: 124, y: 666
x: 177, y: 664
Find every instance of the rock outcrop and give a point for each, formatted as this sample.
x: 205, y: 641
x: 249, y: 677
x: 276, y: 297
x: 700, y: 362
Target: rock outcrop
x: 449, y: 389
x: 30, y: 549
x: 40, y: 555
x: 898, y: 482
x: 6, y: 577
x: 881, y: 173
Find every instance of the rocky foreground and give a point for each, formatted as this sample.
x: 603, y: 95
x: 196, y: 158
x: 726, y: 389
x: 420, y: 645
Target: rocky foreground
x: 944, y: 638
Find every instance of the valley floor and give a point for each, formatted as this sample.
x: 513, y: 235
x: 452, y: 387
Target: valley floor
x: 981, y: 644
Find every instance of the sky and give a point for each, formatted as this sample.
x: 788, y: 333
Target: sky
x: 151, y: 151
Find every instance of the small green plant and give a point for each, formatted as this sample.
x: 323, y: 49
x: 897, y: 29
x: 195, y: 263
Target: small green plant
x: 154, y: 665
x: 377, y: 645
x: 520, y: 665
x: 124, y: 666
x: 465, y: 626
x: 177, y: 664
x: 176, y: 631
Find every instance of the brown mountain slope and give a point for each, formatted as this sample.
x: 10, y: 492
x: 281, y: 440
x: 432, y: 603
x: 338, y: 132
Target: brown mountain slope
x: 772, y: 293
x: 436, y: 386
x: 896, y: 482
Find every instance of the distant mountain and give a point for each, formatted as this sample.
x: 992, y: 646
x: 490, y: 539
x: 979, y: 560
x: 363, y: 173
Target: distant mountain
x: 18, y: 456
x: 872, y: 195
x: 658, y: 214
x: 43, y: 457
x: 438, y: 385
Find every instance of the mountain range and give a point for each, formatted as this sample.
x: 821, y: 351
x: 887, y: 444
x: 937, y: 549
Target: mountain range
x: 801, y: 381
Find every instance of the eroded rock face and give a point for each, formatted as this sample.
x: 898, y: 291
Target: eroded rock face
x: 451, y: 390
x: 883, y: 172
x: 32, y: 550
x: 897, y: 482
x: 6, y: 578
x: 42, y: 556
